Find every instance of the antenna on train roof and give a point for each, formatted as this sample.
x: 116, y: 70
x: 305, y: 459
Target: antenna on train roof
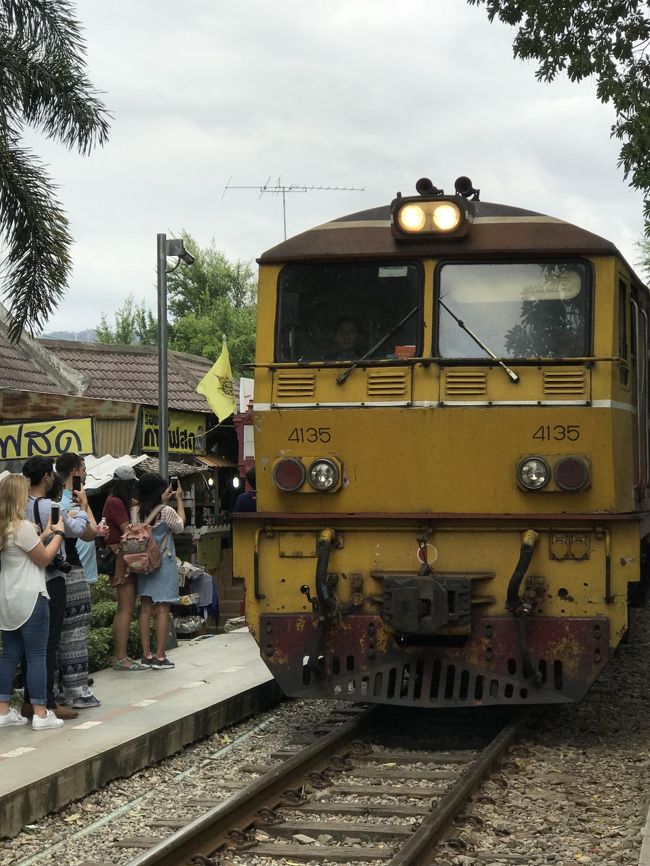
x: 284, y: 188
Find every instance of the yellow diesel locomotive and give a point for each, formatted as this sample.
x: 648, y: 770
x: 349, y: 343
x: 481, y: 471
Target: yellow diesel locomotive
x: 451, y: 440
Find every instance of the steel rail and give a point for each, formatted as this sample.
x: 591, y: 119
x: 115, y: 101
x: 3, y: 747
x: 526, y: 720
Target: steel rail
x: 431, y: 827
x: 205, y: 833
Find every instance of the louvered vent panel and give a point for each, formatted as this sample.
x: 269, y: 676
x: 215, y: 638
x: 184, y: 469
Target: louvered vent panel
x: 565, y: 383
x: 465, y: 383
x: 290, y: 385
x: 388, y: 383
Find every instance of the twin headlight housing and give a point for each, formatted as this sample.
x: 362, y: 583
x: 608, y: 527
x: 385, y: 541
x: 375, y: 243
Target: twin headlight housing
x: 569, y: 473
x: 323, y: 475
x: 422, y: 217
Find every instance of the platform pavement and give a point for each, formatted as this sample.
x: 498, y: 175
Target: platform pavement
x: 145, y: 716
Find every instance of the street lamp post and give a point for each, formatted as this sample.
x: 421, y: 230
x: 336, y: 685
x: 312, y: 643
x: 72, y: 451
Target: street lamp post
x: 165, y: 249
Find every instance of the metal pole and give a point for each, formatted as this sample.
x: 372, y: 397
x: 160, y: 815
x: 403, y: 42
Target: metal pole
x: 163, y: 412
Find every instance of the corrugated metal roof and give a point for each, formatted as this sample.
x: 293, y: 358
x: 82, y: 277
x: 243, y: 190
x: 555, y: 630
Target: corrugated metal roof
x: 100, y: 469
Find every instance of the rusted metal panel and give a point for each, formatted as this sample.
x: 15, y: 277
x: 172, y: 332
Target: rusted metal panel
x: 361, y: 660
x: 34, y: 405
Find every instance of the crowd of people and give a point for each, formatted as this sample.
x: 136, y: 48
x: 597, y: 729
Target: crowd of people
x: 48, y: 560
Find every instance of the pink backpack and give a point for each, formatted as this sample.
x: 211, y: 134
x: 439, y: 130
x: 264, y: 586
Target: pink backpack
x: 141, y: 552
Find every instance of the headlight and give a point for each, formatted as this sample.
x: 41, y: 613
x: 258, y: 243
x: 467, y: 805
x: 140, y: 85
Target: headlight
x: 572, y: 474
x: 323, y: 474
x: 446, y: 217
x: 289, y: 474
x: 533, y: 473
x: 412, y: 218
x: 428, y: 217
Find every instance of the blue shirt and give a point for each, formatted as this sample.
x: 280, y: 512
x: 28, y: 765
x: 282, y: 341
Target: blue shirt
x: 85, y: 549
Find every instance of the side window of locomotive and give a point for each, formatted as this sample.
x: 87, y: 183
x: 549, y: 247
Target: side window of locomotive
x: 518, y: 310
x: 623, y: 346
x: 339, y: 312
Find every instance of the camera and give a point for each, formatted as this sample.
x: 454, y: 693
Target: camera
x: 55, y: 513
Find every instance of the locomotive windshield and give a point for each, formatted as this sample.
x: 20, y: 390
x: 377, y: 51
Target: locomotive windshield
x: 339, y: 312
x: 519, y: 310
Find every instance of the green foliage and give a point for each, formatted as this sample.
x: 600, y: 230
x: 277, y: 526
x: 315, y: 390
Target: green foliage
x: 102, y: 613
x: 100, y: 643
x: 133, y: 324
x: 202, y: 335
x: 43, y: 85
x: 101, y: 590
x: 644, y: 262
x: 606, y: 39
x: 212, y: 297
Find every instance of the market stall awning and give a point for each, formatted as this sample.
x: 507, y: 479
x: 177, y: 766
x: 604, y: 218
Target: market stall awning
x: 100, y: 469
x: 214, y: 462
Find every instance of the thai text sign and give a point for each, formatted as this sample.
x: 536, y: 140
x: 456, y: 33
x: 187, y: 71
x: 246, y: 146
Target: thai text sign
x: 46, y: 438
x: 186, y: 432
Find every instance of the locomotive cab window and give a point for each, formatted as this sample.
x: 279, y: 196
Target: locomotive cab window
x: 339, y: 312
x: 517, y: 310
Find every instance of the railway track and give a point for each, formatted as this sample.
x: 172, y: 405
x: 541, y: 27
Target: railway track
x: 353, y: 794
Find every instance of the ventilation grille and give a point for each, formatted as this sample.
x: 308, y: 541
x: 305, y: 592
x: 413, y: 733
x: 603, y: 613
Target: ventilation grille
x: 426, y: 682
x: 565, y: 382
x: 388, y: 383
x: 465, y: 383
x: 290, y: 384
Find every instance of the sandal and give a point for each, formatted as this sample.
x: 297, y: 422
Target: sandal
x: 127, y: 664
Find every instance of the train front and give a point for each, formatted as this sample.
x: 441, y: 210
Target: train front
x: 444, y: 455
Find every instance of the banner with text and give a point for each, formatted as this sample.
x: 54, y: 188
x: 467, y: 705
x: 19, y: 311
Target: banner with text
x: 46, y: 438
x: 186, y: 432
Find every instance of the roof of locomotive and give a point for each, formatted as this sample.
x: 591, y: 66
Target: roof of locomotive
x: 497, y: 230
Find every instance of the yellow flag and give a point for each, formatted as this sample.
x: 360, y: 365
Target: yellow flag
x: 217, y: 386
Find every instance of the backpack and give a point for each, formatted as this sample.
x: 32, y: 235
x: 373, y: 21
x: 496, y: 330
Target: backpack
x: 141, y: 552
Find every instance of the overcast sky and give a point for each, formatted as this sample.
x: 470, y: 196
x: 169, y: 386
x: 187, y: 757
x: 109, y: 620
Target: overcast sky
x: 354, y: 93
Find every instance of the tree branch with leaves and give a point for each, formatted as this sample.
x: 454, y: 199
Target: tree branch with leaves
x: 604, y: 39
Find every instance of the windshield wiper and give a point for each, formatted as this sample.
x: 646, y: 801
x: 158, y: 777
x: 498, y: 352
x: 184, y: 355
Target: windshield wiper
x: 343, y: 376
x: 514, y: 378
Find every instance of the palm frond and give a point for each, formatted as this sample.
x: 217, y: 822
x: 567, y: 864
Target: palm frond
x: 36, y: 265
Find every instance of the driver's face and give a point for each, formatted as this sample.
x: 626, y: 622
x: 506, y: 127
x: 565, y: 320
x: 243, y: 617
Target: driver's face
x: 346, y: 336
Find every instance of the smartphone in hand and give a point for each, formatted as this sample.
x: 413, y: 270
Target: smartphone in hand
x: 174, y: 484
x: 55, y: 514
x: 76, y: 483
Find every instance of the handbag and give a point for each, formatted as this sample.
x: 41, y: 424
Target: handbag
x: 106, y: 560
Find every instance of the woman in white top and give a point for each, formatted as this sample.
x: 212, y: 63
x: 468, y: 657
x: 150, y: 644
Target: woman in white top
x: 24, y: 611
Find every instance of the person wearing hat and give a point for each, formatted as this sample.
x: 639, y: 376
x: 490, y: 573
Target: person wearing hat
x: 117, y: 515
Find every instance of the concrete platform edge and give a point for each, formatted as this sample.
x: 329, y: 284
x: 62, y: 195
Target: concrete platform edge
x: 30, y: 803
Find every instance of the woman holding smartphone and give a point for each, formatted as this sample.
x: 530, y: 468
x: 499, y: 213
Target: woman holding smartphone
x: 24, y: 611
x: 158, y: 589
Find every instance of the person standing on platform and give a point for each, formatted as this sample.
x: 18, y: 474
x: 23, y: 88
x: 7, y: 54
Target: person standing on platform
x: 73, y: 649
x: 39, y: 472
x: 116, y: 513
x: 24, y: 609
x: 160, y: 588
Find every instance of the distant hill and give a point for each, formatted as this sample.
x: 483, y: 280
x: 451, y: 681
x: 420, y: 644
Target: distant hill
x: 87, y: 336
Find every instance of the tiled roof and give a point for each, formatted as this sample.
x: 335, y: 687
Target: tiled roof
x: 19, y: 370
x: 131, y: 373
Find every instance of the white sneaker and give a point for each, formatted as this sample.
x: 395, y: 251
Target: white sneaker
x: 13, y: 717
x: 48, y: 721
